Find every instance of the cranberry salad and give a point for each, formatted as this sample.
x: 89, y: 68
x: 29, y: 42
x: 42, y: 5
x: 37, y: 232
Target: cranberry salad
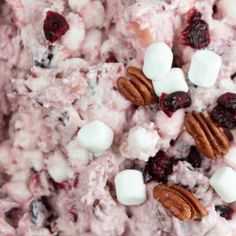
x: 118, y: 118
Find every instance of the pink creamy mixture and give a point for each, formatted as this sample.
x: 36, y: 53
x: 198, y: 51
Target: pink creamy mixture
x: 50, y: 90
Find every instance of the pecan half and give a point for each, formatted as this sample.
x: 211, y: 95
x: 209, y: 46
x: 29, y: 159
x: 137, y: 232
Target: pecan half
x: 179, y: 201
x: 210, y: 139
x: 138, y: 90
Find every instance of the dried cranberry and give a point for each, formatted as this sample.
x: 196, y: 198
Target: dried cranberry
x: 159, y: 167
x: 55, y: 25
x: 223, y: 117
x: 227, y: 100
x: 13, y: 216
x: 174, y: 101
x: 111, y: 58
x: 194, y: 157
x: 225, y: 211
x: 229, y: 134
x: 196, y: 34
x: 194, y: 14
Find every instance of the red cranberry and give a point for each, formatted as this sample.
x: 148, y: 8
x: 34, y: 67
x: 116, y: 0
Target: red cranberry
x: 13, y: 216
x: 229, y: 134
x: 159, y: 167
x: 194, y: 157
x: 174, y: 101
x: 225, y: 211
x: 227, y: 100
x: 194, y: 14
x: 55, y: 25
x: 224, y: 117
x: 196, y: 34
x: 111, y: 58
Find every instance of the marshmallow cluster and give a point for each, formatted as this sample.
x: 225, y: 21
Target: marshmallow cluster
x: 158, y: 61
x: 95, y: 136
x: 224, y: 183
x: 204, y: 68
x: 130, y: 187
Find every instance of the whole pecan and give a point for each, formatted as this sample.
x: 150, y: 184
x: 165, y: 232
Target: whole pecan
x: 138, y: 90
x: 210, y: 139
x: 179, y: 201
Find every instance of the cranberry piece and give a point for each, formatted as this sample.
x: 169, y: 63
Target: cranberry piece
x: 159, y: 167
x: 196, y: 34
x: 13, y: 216
x: 227, y: 100
x: 174, y: 101
x: 194, y: 14
x: 111, y: 58
x: 229, y: 134
x: 223, y: 117
x: 55, y: 25
x: 225, y: 211
x: 194, y: 157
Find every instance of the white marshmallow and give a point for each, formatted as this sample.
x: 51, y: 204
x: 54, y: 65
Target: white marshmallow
x: 78, y: 156
x: 230, y: 157
x: 76, y: 34
x: 224, y: 183
x: 95, y: 136
x: 157, y: 61
x: 228, y: 8
x: 204, y: 68
x: 174, y: 81
x: 58, y: 168
x: 76, y: 5
x: 130, y: 187
x: 17, y: 190
x: 142, y: 142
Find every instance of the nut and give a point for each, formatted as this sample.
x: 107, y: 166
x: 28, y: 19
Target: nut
x: 138, y: 90
x: 210, y: 139
x: 179, y: 201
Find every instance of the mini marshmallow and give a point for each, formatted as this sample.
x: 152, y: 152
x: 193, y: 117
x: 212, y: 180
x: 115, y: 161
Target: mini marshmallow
x: 204, y: 68
x: 95, y: 136
x: 58, y: 168
x: 74, y: 37
x: 224, y: 183
x: 78, y: 156
x: 130, y: 187
x: 174, y: 81
x: 157, y: 61
x: 142, y: 141
x: 230, y: 157
x: 76, y: 5
x: 228, y: 9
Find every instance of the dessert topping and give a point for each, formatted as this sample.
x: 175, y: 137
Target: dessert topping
x: 158, y: 167
x: 210, y: 139
x: 174, y: 101
x: 179, y: 201
x: 157, y: 61
x: 174, y: 81
x: 130, y: 187
x: 55, y: 25
x: 96, y: 136
x: 138, y: 90
x: 224, y: 183
x: 204, y: 68
x: 196, y: 34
